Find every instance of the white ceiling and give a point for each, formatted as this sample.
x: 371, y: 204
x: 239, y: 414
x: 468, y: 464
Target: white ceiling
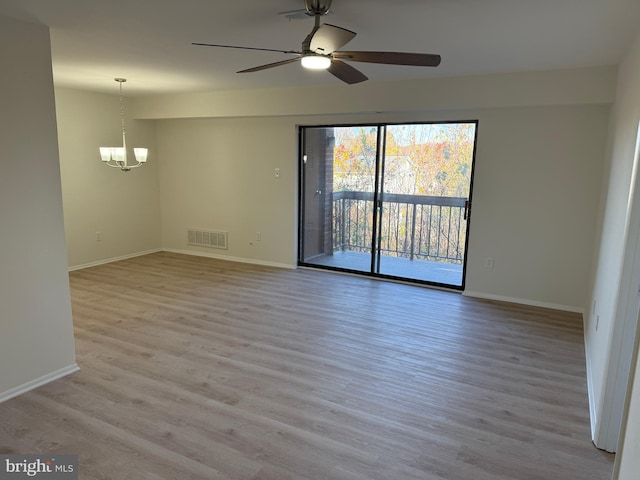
x: 149, y: 41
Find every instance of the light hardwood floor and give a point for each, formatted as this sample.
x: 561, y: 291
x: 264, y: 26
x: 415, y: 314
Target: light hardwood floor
x: 194, y: 368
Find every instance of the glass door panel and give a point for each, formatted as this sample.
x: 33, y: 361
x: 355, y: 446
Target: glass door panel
x: 426, y: 188
x: 338, y: 171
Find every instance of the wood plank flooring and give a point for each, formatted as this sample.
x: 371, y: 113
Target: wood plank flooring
x: 194, y: 368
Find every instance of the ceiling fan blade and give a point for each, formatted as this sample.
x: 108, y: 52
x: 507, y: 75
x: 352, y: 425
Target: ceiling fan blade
x: 327, y: 38
x: 346, y: 73
x: 246, y: 48
x: 297, y: 14
x: 269, y: 65
x: 391, y: 58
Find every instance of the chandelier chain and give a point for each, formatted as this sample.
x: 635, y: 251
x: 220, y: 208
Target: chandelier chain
x: 121, y: 109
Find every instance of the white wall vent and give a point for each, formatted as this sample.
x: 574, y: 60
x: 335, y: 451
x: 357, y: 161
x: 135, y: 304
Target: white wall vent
x: 208, y: 238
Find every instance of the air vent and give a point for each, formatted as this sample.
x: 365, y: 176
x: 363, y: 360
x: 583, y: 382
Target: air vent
x: 208, y: 238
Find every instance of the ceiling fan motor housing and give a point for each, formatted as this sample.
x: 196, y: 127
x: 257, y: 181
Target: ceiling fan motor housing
x: 317, y: 7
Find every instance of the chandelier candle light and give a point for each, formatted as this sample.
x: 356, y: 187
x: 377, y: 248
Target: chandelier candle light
x: 117, y: 156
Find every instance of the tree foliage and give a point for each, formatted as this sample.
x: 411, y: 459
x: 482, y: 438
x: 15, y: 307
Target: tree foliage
x: 420, y: 159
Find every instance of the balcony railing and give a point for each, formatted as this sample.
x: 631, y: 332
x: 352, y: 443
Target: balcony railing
x: 411, y: 226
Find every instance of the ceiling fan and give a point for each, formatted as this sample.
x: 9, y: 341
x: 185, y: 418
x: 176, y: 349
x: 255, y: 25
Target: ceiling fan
x: 320, y: 50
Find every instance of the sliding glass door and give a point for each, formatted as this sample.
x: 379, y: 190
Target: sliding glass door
x: 387, y: 200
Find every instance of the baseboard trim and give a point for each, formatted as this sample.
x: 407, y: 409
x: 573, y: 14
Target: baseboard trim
x: 38, y: 382
x: 524, y: 301
x: 229, y: 258
x: 113, y: 259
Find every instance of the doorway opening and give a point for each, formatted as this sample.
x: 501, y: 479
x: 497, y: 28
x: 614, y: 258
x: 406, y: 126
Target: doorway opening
x: 390, y: 200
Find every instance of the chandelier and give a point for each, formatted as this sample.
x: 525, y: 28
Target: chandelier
x: 116, y: 157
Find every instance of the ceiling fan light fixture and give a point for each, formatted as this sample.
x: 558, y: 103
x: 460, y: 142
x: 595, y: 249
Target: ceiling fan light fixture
x: 316, y: 62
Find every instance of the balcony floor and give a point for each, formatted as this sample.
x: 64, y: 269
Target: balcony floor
x: 436, y: 272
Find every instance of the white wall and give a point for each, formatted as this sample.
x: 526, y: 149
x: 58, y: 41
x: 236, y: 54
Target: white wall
x: 584, y: 86
x: 36, y: 340
x: 219, y: 175
x: 604, y: 325
x: 124, y: 207
x: 536, y: 191
x: 627, y: 463
x: 535, y: 203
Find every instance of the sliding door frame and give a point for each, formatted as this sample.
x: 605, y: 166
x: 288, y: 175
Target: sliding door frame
x: 378, y: 201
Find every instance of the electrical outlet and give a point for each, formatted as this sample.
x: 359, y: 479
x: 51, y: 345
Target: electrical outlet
x: 258, y: 236
x: 488, y: 263
x: 277, y: 172
x: 98, y: 237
